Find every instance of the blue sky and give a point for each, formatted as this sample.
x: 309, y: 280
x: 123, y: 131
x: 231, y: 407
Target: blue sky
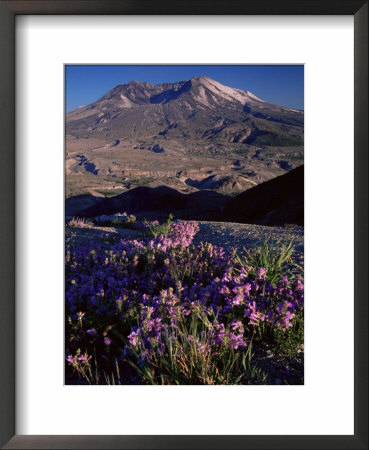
x: 279, y: 84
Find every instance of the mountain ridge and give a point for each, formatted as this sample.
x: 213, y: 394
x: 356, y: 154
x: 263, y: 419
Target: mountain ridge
x: 176, y: 89
x: 190, y: 132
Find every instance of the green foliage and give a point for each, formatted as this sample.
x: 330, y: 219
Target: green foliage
x: 289, y: 342
x: 191, y: 359
x: 274, y: 139
x: 126, y: 224
x: 275, y: 134
x: 154, y: 229
x: 276, y: 259
x: 90, y: 373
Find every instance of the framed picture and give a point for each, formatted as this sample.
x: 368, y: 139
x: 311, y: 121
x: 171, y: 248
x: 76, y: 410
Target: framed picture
x: 184, y: 59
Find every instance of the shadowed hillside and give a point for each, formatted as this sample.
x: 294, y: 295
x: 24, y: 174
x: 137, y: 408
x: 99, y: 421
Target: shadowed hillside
x: 278, y: 201
x: 161, y: 201
x: 73, y: 205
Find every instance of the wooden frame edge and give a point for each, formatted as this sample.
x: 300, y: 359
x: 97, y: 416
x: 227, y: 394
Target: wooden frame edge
x: 8, y: 11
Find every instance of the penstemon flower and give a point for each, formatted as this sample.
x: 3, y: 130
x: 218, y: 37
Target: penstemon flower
x: 163, y: 292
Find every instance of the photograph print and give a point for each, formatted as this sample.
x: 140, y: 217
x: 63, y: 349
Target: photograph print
x: 184, y: 224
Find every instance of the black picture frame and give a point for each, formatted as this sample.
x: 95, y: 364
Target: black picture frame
x: 8, y: 11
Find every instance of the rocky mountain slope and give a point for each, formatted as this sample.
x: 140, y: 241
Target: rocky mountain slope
x: 192, y: 135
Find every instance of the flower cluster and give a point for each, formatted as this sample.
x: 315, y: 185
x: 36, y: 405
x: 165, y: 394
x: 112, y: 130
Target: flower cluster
x: 143, y: 298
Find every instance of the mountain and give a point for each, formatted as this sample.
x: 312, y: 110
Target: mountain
x: 192, y: 135
x: 276, y: 202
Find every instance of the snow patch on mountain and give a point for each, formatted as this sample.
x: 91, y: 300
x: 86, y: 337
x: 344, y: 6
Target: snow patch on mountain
x: 201, y: 98
x: 126, y: 102
x: 226, y: 92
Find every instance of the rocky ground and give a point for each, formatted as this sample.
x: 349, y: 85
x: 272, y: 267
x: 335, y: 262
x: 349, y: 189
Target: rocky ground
x: 223, y: 234
x: 239, y: 235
